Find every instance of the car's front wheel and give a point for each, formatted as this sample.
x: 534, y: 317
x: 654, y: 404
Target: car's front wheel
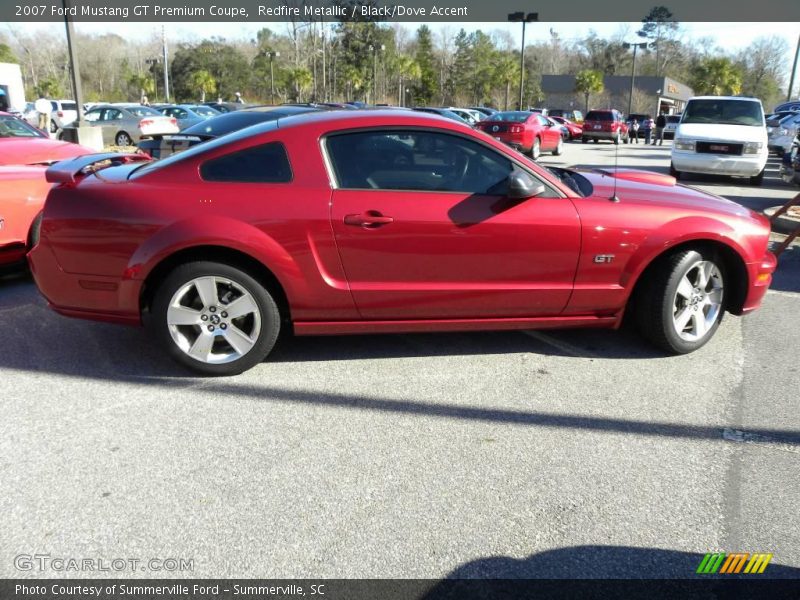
x: 559, y: 147
x: 214, y: 318
x: 680, y: 305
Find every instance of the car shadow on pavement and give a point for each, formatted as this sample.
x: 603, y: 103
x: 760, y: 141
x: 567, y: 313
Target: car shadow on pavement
x: 787, y: 276
x: 43, y: 342
x: 603, y: 572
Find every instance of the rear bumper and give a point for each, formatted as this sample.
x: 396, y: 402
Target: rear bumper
x: 601, y: 135
x: 90, y: 297
x: 760, y: 277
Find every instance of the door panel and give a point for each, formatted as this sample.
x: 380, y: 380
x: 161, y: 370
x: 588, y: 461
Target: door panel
x: 456, y: 255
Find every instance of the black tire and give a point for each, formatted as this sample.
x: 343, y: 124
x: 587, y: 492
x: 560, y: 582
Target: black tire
x: 674, y: 172
x: 584, y: 140
x: 53, y: 126
x: 536, y: 149
x: 185, y: 273
x: 559, y: 149
x: 757, y: 180
x: 595, y: 140
x: 123, y: 139
x: 654, y: 302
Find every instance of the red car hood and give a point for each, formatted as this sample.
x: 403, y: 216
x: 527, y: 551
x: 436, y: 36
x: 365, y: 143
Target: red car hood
x: 640, y: 186
x: 27, y: 151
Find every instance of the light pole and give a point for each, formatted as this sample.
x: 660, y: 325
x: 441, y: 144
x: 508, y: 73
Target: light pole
x: 794, y: 71
x: 635, y: 47
x: 272, y: 55
x: 374, y: 49
x: 521, y: 17
x: 75, y: 70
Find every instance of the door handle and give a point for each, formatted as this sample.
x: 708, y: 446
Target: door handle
x: 369, y: 220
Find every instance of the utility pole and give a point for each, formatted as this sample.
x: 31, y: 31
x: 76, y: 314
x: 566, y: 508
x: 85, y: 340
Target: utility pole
x: 635, y: 47
x: 794, y: 71
x: 521, y: 17
x: 166, y: 63
x: 75, y: 71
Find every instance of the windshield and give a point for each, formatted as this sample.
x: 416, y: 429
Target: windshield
x: 11, y: 127
x: 142, y: 111
x: 513, y: 116
x: 724, y: 111
x: 205, y: 111
x: 573, y: 180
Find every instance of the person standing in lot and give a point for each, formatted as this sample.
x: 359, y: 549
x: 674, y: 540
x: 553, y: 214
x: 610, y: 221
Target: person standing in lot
x: 635, y: 130
x: 44, y: 108
x: 239, y: 99
x: 647, y: 129
x: 661, y: 122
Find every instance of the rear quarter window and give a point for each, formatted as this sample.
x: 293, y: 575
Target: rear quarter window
x: 267, y: 163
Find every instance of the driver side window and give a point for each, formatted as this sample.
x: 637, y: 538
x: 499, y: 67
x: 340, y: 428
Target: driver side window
x: 416, y: 161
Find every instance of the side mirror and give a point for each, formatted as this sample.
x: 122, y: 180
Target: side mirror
x: 522, y: 186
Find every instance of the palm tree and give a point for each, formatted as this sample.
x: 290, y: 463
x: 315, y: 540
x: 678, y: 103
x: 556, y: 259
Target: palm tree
x: 301, y: 79
x: 203, y: 80
x: 506, y: 72
x: 587, y: 82
x: 408, y: 70
x: 716, y: 77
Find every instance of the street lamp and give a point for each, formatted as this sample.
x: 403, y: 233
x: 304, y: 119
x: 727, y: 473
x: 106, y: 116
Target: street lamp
x: 521, y: 17
x: 272, y: 56
x: 635, y: 47
x: 375, y: 49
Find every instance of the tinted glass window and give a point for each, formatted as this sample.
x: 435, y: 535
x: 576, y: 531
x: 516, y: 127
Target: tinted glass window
x: 724, y: 111
x: 142, y: 111
x: 259, y: 164
x: 596, y: 115
x: 203, y: 148
x: 417, y: 160
x: 514, y: 116
x: 112, y: 114
x: 69, y: 106
x: 92, y: 115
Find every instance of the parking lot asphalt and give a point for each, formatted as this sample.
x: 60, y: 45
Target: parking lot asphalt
x: 538, y: 454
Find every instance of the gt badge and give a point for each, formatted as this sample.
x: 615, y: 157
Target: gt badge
x: 603, y: 258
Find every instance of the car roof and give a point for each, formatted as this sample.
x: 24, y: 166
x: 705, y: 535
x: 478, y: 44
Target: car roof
x: 747, y: 98
x: 379, y: 117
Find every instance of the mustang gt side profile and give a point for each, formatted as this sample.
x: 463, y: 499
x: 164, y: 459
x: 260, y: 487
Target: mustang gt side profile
x: 382, y: 221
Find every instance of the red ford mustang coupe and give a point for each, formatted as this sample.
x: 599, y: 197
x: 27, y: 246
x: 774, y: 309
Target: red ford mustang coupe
x: 385, y: 221
x: 528, y: 132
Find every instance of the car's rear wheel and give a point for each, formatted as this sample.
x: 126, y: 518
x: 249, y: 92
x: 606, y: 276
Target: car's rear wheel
x: 674, y: 172
x: 536, y: 149
x: 585, y: 139
x: 559, y: 147
x: 53, y: 126
x: 680, y: 304
x: 123, y: 139
x: 214, y: 318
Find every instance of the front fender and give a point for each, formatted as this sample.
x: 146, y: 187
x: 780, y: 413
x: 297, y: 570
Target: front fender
x: 675, y: 233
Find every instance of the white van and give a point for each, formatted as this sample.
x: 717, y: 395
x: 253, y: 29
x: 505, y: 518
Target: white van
x: 721, y: 135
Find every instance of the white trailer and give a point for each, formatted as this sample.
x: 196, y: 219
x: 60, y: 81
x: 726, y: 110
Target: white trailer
x: 11, y: 84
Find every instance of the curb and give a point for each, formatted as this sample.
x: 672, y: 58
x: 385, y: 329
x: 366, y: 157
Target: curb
x: 782, y: 224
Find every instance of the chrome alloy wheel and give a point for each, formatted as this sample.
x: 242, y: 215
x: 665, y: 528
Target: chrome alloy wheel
x: 698, y: 301
x: 214, y: 320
